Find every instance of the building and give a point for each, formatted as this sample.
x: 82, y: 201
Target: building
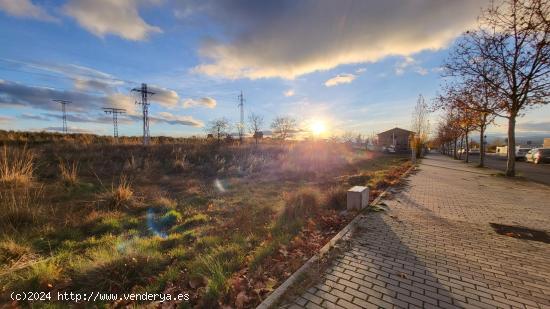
x: 546, y: 143
x: 396, y: 137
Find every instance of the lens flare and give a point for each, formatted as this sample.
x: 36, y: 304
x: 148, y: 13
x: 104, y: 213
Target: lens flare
x: 218, y: 184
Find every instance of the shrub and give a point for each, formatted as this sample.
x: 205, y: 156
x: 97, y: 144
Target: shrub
x: 336, y: 198
x: 16, y: 166
x: 301, y: 204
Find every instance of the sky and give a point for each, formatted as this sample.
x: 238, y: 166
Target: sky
x: 353, y: 65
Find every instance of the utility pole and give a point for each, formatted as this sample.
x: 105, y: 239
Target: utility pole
x: 145, y: 106
x: 241, y: 124
x: 115, y: 112
x: 63, y: 109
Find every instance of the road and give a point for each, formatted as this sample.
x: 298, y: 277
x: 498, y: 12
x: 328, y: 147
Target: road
x: 536, y: 172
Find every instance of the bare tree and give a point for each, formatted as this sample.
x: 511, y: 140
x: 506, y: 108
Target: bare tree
x: 255, y: 123
x: 219, y: 128
x: 283, y: 126
x: 510, y: 51
x: 348, y: 137
x: 420, y: 125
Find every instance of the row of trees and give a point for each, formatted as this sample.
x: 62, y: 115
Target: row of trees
x: 282, y: 127
x: 499, y: 69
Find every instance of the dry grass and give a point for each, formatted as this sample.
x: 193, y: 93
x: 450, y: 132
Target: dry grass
x: 121, y: 194
x: 336, y: 198
x: 68, y: 172
x: 16, y: 165
x: 170, y: 223
x: 301, y: 204
x: 20, y: 207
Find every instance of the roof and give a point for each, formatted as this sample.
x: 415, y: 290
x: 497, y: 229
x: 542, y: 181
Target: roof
x: 395, y: 130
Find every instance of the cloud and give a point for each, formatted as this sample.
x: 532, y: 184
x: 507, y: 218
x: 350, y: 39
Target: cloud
x: 84, y: 78
x: 70, y: 129
x: 117, y: 17
x: 204, y: 102
x: 34, y: 117
x: 15, y: 94
x: 169, y: 118
x: 25, y: 9
x: 165, y: 97
x: 409, y: 63
x: 124, y: 101
x: 104, y: 86
x: 289, y: 38
x: 539, y: 127
x: 340, y: 79
x: 361, y: 70
x: 79, y: 117
x: 5, y: 119
x: 289, y: 93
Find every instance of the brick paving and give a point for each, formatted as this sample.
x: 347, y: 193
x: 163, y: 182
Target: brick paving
x: 434, y: 247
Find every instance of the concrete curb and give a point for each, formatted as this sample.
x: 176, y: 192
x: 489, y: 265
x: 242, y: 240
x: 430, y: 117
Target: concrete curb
x: 279, y: 292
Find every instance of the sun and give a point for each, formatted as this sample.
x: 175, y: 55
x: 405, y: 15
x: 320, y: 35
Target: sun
x: 318, y: 127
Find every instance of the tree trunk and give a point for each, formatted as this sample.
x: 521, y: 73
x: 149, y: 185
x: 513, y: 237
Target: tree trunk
x: 511, y: 163
x: 467, y: 158
x: 454, y: 150
x: 461, y: 148
x: 482, y: 144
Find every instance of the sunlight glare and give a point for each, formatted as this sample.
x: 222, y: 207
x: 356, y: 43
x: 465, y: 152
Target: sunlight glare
x: 318, y: 127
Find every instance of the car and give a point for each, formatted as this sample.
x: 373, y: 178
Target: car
x: 520, y: 153
x: 538, y: 155
x: 471, y: 151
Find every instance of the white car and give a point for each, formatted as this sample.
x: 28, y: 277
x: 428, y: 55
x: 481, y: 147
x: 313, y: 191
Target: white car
x: 520, y: 153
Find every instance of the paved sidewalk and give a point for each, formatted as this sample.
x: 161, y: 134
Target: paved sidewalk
x: 434, y: 247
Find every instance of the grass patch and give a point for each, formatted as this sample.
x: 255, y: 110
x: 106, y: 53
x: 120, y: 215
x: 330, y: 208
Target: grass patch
x: 336, y: 198
x: 20, y: 207
x: 301, y: 204
x: 121, y: 194
x: 16, y: 166
x: 68, y: 172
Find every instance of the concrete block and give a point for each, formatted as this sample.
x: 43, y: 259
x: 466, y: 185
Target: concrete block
x: 358, y: 197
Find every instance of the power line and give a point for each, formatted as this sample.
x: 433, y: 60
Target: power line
x: 64, y: 111
x: 115, y: 112
x: 145, y: 107
x: 241, y: 124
